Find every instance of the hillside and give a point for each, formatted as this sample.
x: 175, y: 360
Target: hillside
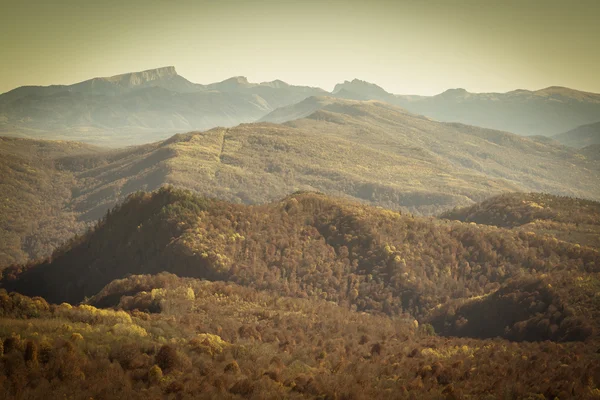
x: 181, y: 337
x: 592, y: 152
x: 35, y: 217
x: 439, y: 154
x: 368, y: 151
x: 310, y: 245
x: 188, y: 296
x: 580, y: 137
x: 570, y: 219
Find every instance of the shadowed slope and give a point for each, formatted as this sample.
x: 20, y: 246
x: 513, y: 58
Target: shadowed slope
x: 307, y: 245
x: 586, y: 135
x: 369, y: 151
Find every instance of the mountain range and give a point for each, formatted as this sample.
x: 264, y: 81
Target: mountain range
x: 150, y: 105
x: 297, y: 243
x: 369, y: 151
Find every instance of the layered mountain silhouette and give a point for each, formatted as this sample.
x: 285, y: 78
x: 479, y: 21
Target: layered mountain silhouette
x: 297, y: 243
x: 543, y: 112
x: 369, y: 151
x: 141, y: 107
x: 546, y: 112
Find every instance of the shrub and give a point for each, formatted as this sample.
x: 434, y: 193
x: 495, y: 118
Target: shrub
x: 242, y: 388
x: 12, y: 343
x: 31, y: 352
x: 167, y: 358
x: 155, y: 375
x: 232, y: 367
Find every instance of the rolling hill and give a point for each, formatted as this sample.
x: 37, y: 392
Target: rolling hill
x: 580, y: 137
x: 368, y: 151
x: 315, y: 246
x: 174, y: 294
x: 569, y: 219
x: 35, y: 216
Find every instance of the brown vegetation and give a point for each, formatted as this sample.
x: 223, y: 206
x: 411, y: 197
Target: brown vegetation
x: 313, y: 246
x: 368, y: 151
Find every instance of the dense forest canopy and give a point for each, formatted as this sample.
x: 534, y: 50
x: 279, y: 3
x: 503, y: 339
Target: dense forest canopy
x: 178, y: 295
x: 185, y: 338
x: 313, y: 246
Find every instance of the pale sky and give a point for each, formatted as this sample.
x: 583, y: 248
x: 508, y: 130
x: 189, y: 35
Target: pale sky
x: 405, y: 46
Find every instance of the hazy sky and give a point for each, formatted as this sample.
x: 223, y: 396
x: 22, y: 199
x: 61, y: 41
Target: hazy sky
x: 405, y: 46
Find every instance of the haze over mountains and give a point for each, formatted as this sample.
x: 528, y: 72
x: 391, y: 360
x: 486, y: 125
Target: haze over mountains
x: 369, y: 151
x: 580, y: 137
x: 545, y: 112
x: 150, y: 105
x: 266, y: 289
x: 139, y: 107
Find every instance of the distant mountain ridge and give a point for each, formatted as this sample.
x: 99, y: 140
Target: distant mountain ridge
x: 145, y: 106
x: 580, y: 137
x: 544, y: 112
x: 139, y: 107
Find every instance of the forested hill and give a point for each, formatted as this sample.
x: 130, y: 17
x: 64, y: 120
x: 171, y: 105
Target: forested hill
x: 566, y: 218
x: 311, y: 245
x: 369, y: 151
x: 515, y: 209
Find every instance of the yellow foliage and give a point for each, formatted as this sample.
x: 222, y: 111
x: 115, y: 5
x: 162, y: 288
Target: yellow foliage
x: 155, y: 374
x: 158, y: 294
x: 208, y: 343
x: 449, y: 351
x: 90, y: 314
x: 190, y: 294
x: 128, y: 330
x: 76, y: 337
